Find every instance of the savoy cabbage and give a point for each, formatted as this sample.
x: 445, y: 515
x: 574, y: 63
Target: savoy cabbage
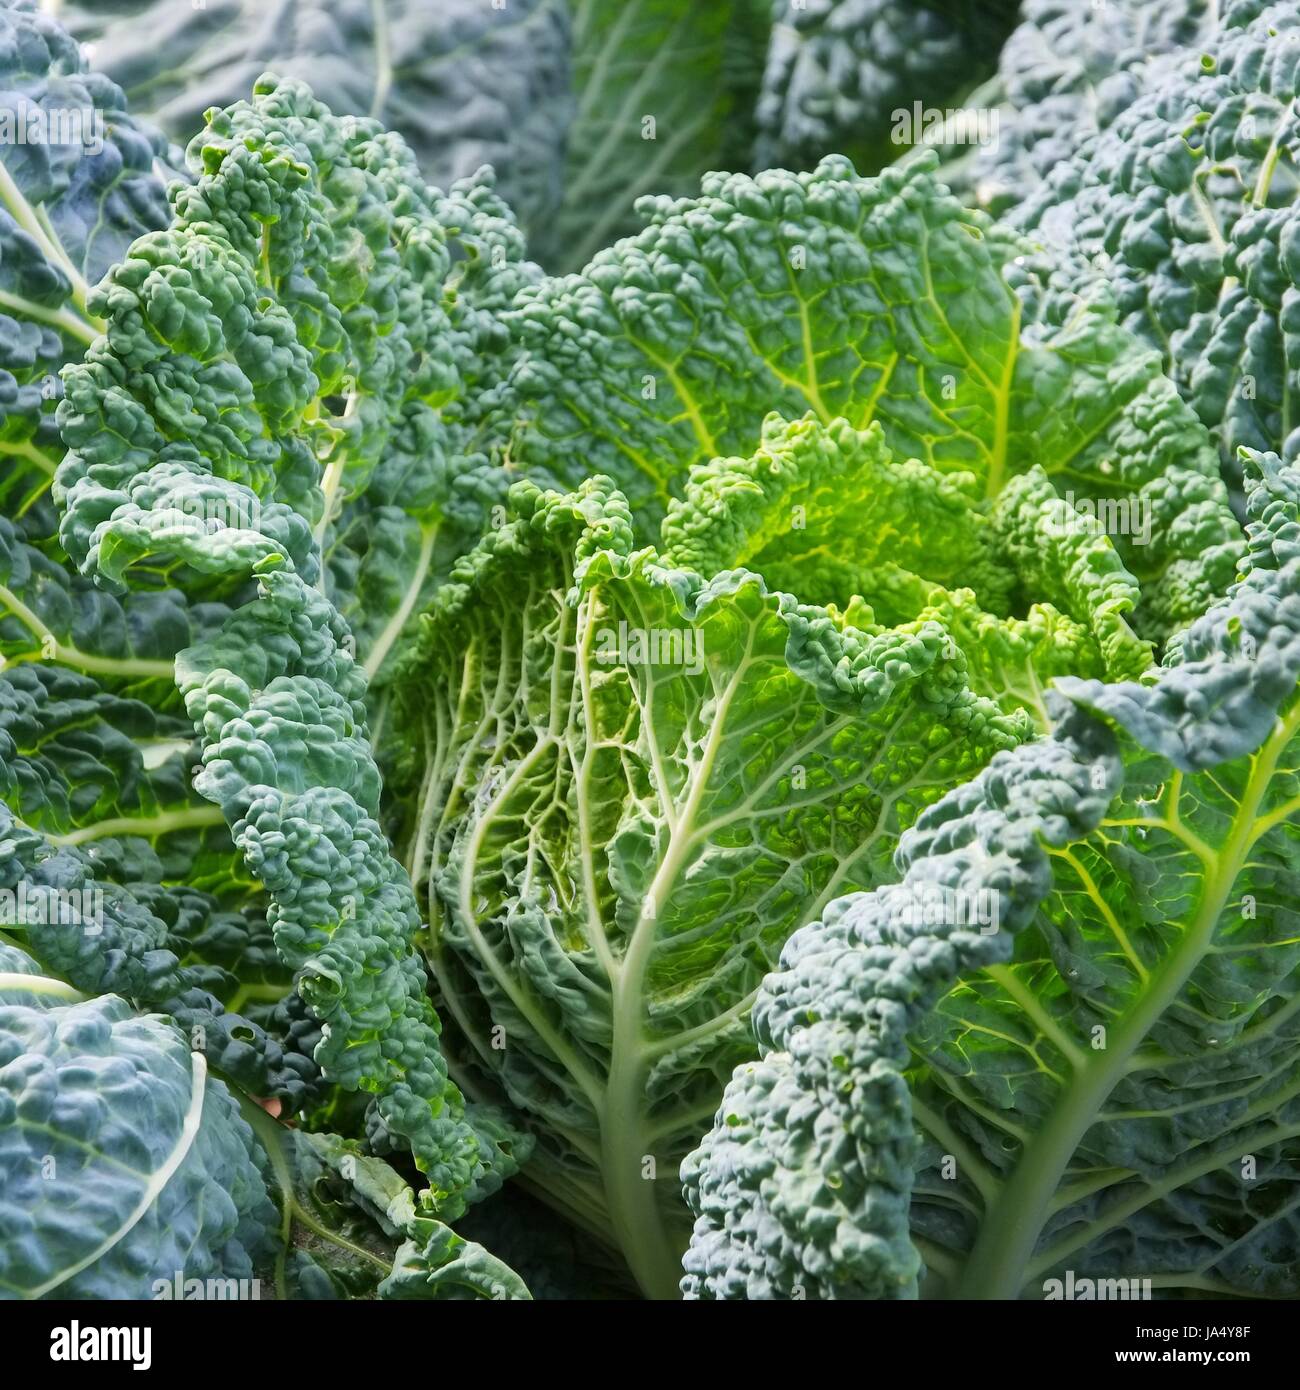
x: 614, y: 843
x: 779, y: 744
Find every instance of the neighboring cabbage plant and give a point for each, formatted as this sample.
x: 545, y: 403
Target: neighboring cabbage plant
x: 148, y: 1026
x: 1185, y: 207
x: 839, y: 72
x: 1067, y: 71
x: 558, y: 97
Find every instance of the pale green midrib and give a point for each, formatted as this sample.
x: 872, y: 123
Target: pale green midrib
x: 1112, y: 921
x: 280, y: 1171
x: 1085, y: 1187
x: 153, y: 1189
x: 24, y: 449
x: 401, y: 615
x: 40, y: 984
x: 269, y: 1135
x: 811, y: 388
x: 768, y: 363
x: 683, y: 1125
x: 332, y: 478
x: 255, y: 993
x: 582, y: 673
x: 997, y: 1119
x: 635, y: 1212
x: 70, y: 323
x: 435, y: 754
x: 1243, y: 1090
x: 652, y: 1050
x: 1246, y: 1038
x: 147, y: 827
x: 450, y: 999
x: 71, y: 656
x: 1012, y: 1225
x: 81, y: 324
x: 1264, y: 179
x: 694, y: 412
x: 156, y: 752
x: 674, y: 1042
x: 747, y: 808
x: 330, y: 481
x: 589, y: 67
x: 1002, y: 425
x: 1202, y: 204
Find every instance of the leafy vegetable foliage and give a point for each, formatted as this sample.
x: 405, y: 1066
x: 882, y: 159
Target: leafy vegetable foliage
x: 121, y: 1159
x: 95, y: 749
x: 127, y: 1161
x: 1185, y: 205
x: 873, y: 300
x: 297, y: 267
x: 615, y: 843
x: 464, y: 82
x: 746, y: 683
x: 839, y: 71
x: 1109, y: 1071
x: 1066, y: 72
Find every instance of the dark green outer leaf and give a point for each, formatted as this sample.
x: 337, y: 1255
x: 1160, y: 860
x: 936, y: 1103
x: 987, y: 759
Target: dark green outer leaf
x: 465, y: 82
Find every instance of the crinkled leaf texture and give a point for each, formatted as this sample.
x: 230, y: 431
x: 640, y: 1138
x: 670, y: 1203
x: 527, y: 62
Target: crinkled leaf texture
x: 633, y: 784
x: 839, y: 71
x: 287, y: 370
x: 627, y: 784
x: 1102, y: 1087
x: 95, y: 749
x: 129, y: 1173
x: 130, y: 931
x: 121, y: 1161
x: 1185, y: 207
x: 68, y: 212
x: 940, y: 393
x: 1067, y: 71
x: 436, y: 1263
x: 871, y: 299
x: 300, y: 320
